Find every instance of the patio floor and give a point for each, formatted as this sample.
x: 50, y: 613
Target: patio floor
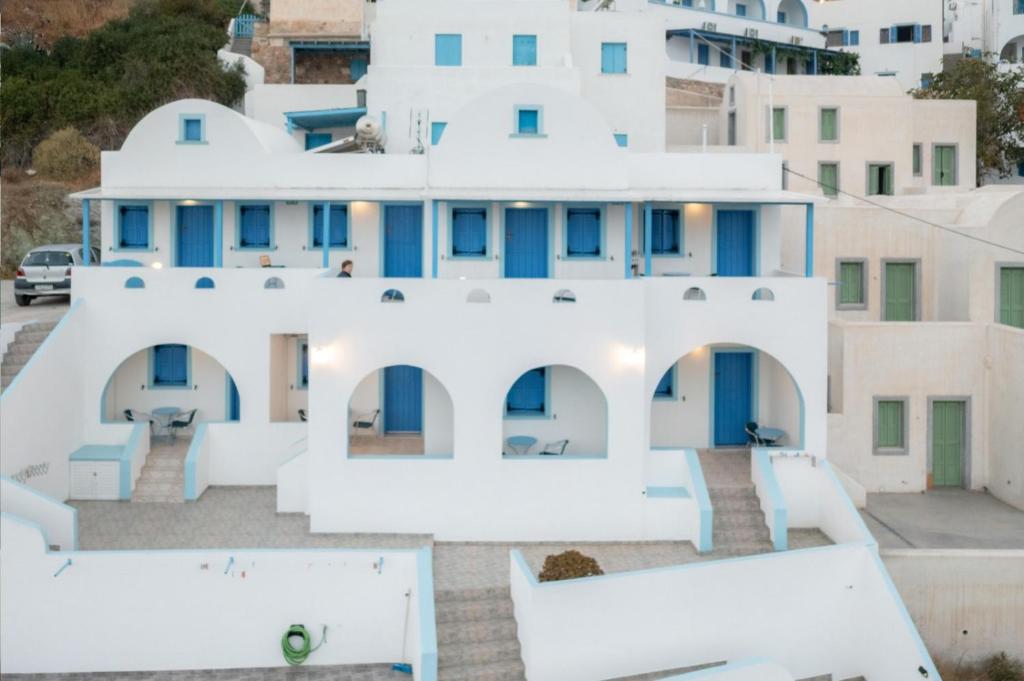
x: 376, y: 672
x: 385, y: 444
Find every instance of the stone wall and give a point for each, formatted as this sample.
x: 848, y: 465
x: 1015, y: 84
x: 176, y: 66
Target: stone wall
x: 274, y: 55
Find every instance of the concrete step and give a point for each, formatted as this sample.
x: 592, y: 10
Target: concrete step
x: 157, y: 461
x: 10, y: 368
x: 452, y: 595
x: 162, y: 475
x: 506, y: 670
x: 159, y: 488
x: 449, y: 633
x: 743, y: 518
x: 30, y: 336
x: 741, y: 536
x: 472, y: 611
x: 148, y: 498
x: 40, y: 326
x: 482, y: 652
x: 21, y: 350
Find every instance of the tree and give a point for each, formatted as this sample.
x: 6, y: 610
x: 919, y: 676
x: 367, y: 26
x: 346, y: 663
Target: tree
x: 1000, y: 110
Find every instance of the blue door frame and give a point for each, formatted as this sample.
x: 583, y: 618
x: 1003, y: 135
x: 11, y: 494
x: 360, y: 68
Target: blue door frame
x: 194, y: 236
x: 402, y: 232
x: 527, y: 243
x: 403, y: 399
x: 735, y: 242
x: 234, y: 402
x: 733, y: 395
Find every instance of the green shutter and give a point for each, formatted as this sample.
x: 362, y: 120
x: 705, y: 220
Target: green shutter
x: 948, y: 426
x: 944, y: 166
x: 917, y: 159
x: 888, y: 180
x: 890, y: 424
x: 851, y: 283
x: 779, y: 123
x: 828, y: 177
x: 1011, y: 296
x: 873, y: 184
x: 899, y: 292
x: 829, y: 125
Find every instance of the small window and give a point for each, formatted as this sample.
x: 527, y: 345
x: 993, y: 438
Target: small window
x: 134, y: 282
x: 478, y: 295
x: 564, y: 295
x: 890, y: 425
x: 665, y: 233
x: 524, y: 50
x: 436, y: 130
x: 528, y: 121
x: 778, y: 123
x: 741, y: 9
x: 1011, y: 296
x: 899, y: 291
x: 392, y: 295
x: 916, y: 159
x: 132, y: 227
x: 192, y: 129
x: 254, y: 226
x: 666, y: 389
x: 528, y: 395
x: 469, y: 232
x: 828, y: 125
x: 622, y: 139
x: 703, y: 54
x: 169, y: 366
x: 828, y: 178
x: 273, y: 283
x: 318, y: 139
x: 582, y: 233
x: 851, y: 293
x: 880, y: 179
x: 303, y: 378
x: 695, y: 293
x: 944, y: 165
x: 205, y: 282
x: 448, y: 49
x: 337, y: 230
x: 613, y: 58
x: 780, y: 17
x: 764, y: 294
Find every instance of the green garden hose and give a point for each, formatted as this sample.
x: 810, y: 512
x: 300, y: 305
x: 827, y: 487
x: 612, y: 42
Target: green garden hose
x: 297, y: 655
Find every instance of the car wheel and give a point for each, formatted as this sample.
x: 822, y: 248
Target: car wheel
x: 22, y: 301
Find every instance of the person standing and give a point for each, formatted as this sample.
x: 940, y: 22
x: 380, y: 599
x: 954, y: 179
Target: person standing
x: 346, y: 270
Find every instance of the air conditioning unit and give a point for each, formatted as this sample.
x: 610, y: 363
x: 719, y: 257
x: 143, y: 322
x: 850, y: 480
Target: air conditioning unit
x: 750, y: 32
x: 709, y: 26
x: 796, y: 40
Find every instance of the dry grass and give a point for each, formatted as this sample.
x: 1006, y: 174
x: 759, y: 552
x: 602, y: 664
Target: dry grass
x: 996, y: 668
x: 47, y: 20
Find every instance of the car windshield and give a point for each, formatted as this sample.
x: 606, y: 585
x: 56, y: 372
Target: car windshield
x: 53, y: 258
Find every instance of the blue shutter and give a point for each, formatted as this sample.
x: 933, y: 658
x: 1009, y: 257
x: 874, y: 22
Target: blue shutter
x: 854, y: 38
x: 134, y: 222
x: 917, y: 33
x: 528, y: 122
x: 781, y: 17
x: 613, y: 57
x: 318, y: 139
x: 524, y: 50
x: 527, y: 394
x: 170, y: 365
x: 583, y: 232
x: 703, y: 54
x: 234, y: 401
x: 664, y: 231
x: 892, y: 34
x: 666, y: 384
x: 254, y: 226
x: 448, y: 49
x: 741, y: 10
x: 621, y: 138
x: 358, y: 69
x: 725, y: 58
x: 304, y: 365
x: 436, y: 130
x: 338, y: 228
x: 469, y: 232
x: 193, y: 130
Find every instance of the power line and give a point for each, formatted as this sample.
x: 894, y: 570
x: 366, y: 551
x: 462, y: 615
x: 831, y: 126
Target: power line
x: 907, y: 215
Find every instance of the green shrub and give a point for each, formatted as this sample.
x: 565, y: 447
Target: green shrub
x: 569, y: 565
x: 65, y: 155
x: 1002, y: 668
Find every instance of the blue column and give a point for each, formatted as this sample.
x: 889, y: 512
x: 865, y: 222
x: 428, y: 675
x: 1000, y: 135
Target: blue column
x: 86, y: 255
x: 629, y: 240
x: 218, y: 234
x: 735, y: 56
x: 809, y: 242
x: 325, y: 233
x: 772, y: 70
x: 814, y: 62
x: 647, y: 239
x: 692, y: 39
x: 433, y: 238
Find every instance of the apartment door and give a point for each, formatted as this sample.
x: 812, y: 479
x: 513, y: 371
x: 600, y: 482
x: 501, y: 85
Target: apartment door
x: 526, y: 243
x: 733, y: 388
x: 194, y: 236
x: 403, y: 241
x: 1011, y: 296
x: 403, y: 400
x: 900, y: 292
x: 735, y: 243
x: 949, y: 442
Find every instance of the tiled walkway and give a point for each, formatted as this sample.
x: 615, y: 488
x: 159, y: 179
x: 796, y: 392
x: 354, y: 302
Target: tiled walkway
x: 376, y: 672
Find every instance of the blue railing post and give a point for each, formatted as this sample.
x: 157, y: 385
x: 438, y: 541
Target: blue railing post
x: 86, y: 255
x: 433, y: 238
x: 648, y: 236
x: 809, y: 242
x: 629, y: 240
x: 218, y: 233
x: 325, y: 232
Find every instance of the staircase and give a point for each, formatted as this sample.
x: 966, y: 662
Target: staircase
x: 26, y: 341
x: 242, y: 46
x: 163, y: 477
x: 739, y: 528
x: 476, y: 636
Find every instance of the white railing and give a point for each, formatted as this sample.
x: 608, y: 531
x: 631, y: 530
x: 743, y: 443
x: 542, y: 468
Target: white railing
x: 769, y: 494
x: 57, y: 520
x: 197, y: 464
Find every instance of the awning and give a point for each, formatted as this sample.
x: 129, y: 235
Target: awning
x: 324, y: 118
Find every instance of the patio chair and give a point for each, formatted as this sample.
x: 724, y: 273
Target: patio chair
x: 366, y: 421
x: 762, y: 437
x: 303, y: 416
x: 556, y: 448
x: 133, y: 416
x: 181, y: 421
x: 751, y: 430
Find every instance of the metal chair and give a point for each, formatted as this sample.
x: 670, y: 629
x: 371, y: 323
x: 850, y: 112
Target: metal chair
x: 303, y: 416
x: 366, y: 421
x: 751, y: 430
x: 178, y: 423
x: 556, y: 448
x: 133, y: 416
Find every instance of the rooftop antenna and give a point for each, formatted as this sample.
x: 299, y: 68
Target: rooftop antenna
x: 418, y: 149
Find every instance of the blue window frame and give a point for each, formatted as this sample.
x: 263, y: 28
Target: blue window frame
x: 448, y: 49
x: 169, y: 366
x: 622, y: 139
x: 524, y: 50
x: 741, y: 10
x: 436, y: 130
x: 528, y: 396
x: 337, y: 230
x: 583, y: 233
x: 613, y: 58
x: 133, y: 227
x: 781, y: 17
x: 318, y: 139
x: 357, y: 68
x: 302, y: 373
x: 528, y: 120
x: 703, y: 54
x: 254, y: 225
x: 191, y: 129
x: 666, y: 389
x: 469, y: 232
x: 666, y: 236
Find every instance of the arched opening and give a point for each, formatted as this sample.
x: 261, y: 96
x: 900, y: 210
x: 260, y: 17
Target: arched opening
x: 1013, y: 51
x: 392, y: 295
x: 400, y: 410
x: 134, y: 282
x: 752, y: 9
x: 273, y: 282
x: 205, y: 282
x: 554, y: 411
x: 707, y: 398
x: 695, y: 293
x: 478, y: 295
x: 763, y: 294
x: 564, y: 295
x: 792, y: 13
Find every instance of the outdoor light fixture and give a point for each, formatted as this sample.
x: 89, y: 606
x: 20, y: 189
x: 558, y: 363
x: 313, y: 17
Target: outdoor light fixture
x: 630, y: 356
x: 321, y: 355
x: 157, y: 265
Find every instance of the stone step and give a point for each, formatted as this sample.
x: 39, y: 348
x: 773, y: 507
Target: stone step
x: 164, y: 461
x: 745, y: 518
x: 40, y: 326
x: 10, y: 369
x: 452, y: 633
x: 735, y: 505
x: 451, y: 595
x: 482, y: 652
x: 157, y: 499
x: 472, y: 611
x: 24, y: 336
x: 20, y: 351
x: 739, y: 536
x: 159, y: 487
x: 162, y: 475
x: 733, y: 492
x: 506, y: 670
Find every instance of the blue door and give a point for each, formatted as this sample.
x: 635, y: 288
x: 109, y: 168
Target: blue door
x: 735, y: 243
x: 403, y: 241
x: 195, y: 237
x: 234, y: 401
x: 526, y: 243
x: 733, y: 390
x: 403, y: 399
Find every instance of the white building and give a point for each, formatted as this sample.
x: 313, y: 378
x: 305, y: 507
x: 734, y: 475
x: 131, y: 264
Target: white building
x: 993, y: 27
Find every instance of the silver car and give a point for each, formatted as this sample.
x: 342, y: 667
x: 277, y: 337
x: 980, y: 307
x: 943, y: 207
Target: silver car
x: 46, y: 271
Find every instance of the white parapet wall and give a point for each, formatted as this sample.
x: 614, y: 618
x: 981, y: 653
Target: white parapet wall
x: 56, y: 520
x: 107, y: 611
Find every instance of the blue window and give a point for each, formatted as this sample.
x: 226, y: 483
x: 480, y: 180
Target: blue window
x: 304, y: 365
x: 1020, y: 166
x: 357, y: 68
x: 725, y: 58
x: 665, y: 236
x: 254, y: 226
x: 133, y: 227
x: 436, y: 130
x: 318, y: 139
x: 528, y: 395
x: 622, y: 139
x: 854, y: 38
x: 781, y: 17
x: 469, y: 232
x: 192, y: 129
x: 448, y: 49
x: 170, y: 366
x: 583, y: 233
x: 613, y: 57
x: 703, y: 54
x: 528, y: 121
x: 524, y: 50
x: 338, y: 228
x: 741, y: 10
x: 666, y: 389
